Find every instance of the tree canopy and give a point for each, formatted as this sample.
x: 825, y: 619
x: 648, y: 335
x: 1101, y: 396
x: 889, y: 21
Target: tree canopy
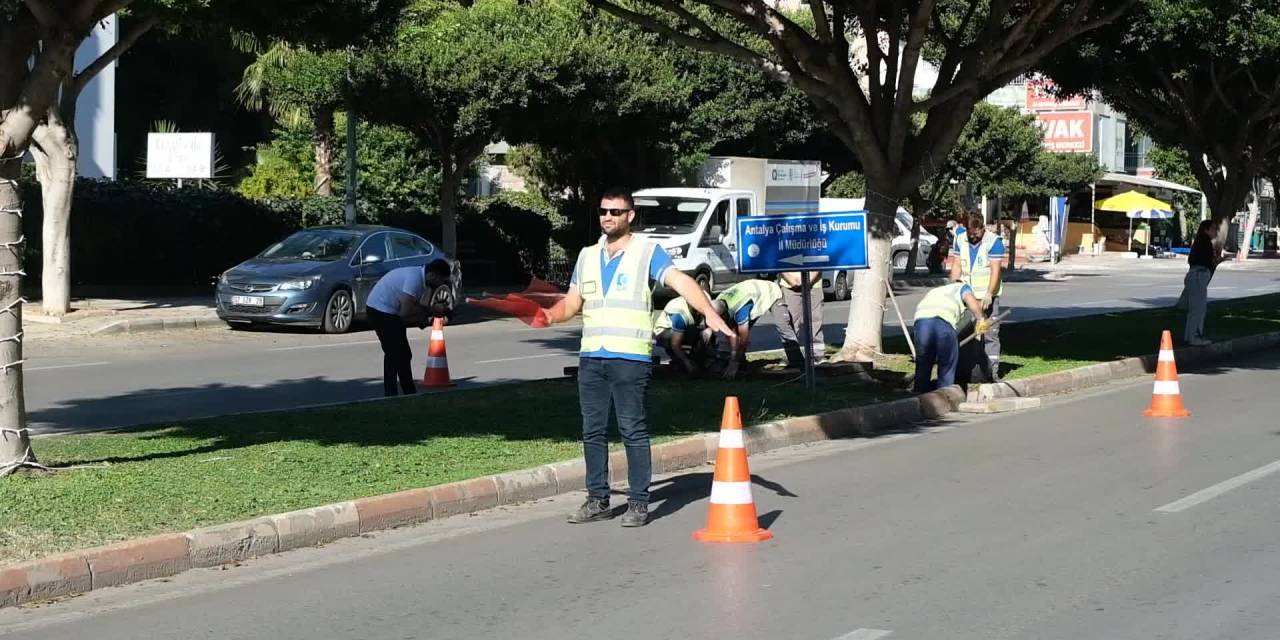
x: 1199, y: 75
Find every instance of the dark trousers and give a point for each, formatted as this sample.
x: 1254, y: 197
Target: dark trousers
x: 393, y: 334
x: 622, y: 386
x: 936, y: 343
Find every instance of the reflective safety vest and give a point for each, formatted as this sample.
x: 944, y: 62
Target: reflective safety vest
x: 763, y: 293
x: 621, y: 320
x: 977, y: 273
x: 676, y: 308
x: 944, y: 302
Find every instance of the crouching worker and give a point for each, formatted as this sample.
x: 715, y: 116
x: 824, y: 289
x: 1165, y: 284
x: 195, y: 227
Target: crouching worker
x: 678, y: 327
x: 937, y: 337
x: 741, y: 306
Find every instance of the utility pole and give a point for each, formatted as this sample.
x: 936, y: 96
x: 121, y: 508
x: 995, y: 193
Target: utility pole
x: 350, y: 208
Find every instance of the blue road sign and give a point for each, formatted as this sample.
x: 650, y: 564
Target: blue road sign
x: 802, y: 242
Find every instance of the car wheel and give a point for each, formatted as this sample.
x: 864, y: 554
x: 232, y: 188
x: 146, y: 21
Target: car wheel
x: 900, y: 261
x: 706, y: 281
x: 842, y: 287
x: 339, y: 312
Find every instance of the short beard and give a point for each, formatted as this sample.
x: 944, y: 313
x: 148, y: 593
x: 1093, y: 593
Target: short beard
x: 617, y: 233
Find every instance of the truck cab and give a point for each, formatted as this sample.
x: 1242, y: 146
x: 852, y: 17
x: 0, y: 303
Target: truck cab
x: 697, y: 228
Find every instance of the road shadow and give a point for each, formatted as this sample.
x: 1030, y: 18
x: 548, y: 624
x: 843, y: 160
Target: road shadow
x: 675, y: 493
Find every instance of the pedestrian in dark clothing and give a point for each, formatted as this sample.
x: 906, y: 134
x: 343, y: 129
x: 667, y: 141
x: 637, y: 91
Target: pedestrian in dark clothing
x: 1201, y: 265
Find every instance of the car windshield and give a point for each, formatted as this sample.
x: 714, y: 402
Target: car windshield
x: 323, y: 245
x: 666, y: 214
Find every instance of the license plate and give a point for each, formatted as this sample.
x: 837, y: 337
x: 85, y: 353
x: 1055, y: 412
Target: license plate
x: 247, y: 301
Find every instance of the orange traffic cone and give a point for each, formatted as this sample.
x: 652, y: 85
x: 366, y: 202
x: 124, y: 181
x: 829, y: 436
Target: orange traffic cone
x: 437, y: 375
x: 1166, y: 398
x: 733, y: 513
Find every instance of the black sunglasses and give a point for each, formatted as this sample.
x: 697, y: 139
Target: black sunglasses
x: 614, y: 212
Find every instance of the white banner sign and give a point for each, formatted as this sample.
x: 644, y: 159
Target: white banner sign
x: 175, y: 156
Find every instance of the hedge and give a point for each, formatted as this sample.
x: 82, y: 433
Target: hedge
x: 147, y: 234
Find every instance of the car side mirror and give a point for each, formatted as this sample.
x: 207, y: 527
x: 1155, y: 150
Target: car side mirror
x: 372, y: 258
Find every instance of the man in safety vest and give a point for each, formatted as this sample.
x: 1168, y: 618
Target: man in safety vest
x: 977, y: 260
x: 741, y: 306
x: 936, y: 329
x: 679, y: 326
x: 613, y: 287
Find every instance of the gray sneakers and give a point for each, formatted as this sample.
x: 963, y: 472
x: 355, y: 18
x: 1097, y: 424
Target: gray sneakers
x: 593, y: 510
x: 596, y: 510
x: 637, y: 515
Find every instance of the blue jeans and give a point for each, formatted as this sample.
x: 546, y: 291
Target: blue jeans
x: 623, y: 386
x: 936, y: 343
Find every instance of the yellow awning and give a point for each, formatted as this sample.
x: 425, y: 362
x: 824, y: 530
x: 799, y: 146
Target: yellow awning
x: 1131, y: 201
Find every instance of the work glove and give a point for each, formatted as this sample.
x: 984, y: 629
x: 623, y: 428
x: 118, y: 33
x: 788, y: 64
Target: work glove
x: 982, y: 327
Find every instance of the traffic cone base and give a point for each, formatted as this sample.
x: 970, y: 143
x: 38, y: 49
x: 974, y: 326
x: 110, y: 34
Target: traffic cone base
x: 732, y: 516
x: 437, y: 375
x: 1166, y: 396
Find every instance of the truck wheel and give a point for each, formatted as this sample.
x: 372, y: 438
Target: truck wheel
x: 842, y: 287
x: 900, y: 261
x: 706, y: 281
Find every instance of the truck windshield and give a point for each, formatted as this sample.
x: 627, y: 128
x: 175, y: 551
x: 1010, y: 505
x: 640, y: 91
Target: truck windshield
x: 667, y: 214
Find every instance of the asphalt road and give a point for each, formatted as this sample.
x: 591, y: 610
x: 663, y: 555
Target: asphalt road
x: 110, y: 381
x: 1079, y: 520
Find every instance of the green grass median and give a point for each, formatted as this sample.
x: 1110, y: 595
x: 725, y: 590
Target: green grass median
x: 192, y: 474
x: 1046, y: 346
x: 185, y: 475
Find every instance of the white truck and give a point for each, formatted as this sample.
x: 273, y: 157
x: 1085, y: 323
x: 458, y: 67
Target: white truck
x: 697, y: 226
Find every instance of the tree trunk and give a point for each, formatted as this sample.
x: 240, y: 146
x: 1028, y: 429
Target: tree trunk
x: 15, y: 442
x: 449, y: 187
x: 56, y: 151
x: 18, y: 122
x: 323, y: 139
x: 1250, y: 223
x: 920, y: 207
x: 862, y: 340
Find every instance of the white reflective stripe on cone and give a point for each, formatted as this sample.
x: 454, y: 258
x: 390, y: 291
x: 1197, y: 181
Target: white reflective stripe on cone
x: 1166, y: 388
x: 437, y: 335
x: 437, y: 363
x: 731, y: 493
x: 731, y: 439
x: 1166, y: 356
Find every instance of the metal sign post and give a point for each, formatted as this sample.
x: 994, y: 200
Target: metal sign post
x: 803, y: 242
x: 810, y: 376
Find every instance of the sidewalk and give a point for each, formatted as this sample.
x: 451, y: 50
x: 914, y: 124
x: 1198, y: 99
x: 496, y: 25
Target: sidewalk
x: 121, y: 315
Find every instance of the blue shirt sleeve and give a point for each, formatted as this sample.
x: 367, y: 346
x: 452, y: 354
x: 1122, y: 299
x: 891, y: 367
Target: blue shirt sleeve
x: 744, y: 314
x: 997, y: 249
x: 573, y: 280
x: 677, y: 323
x: 659, y: 264
x: 965, y: 290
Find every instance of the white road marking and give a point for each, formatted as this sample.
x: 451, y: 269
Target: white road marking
x: 324, y: 346
x: 545, y: 355
x: 1100, y: 302
x: 64, y: 366
x: 1219, y: 489
x: 865, y: 634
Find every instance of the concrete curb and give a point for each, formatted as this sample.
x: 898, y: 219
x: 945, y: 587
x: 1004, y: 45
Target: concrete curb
x: 169, y: 554
x: 1104, y: 372
x: 149, y: 325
